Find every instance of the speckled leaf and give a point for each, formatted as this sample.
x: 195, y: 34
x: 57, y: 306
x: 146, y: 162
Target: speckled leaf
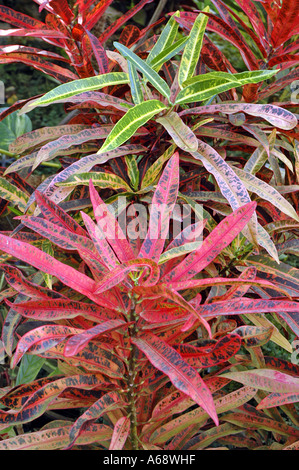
x: 278, y: 399
x: 181, y: 133
x: 40, y: 399
x: 56, y: 438
x: 277, y: 116
x: 183, y: 376
x: 108, y: 402
x: 100, y: 179
x: 266, y: 379
x: 199, y: 416
x: 37, y: 136
x: 13, y: 194
x: 266, y: 191
x: 77, y: 342
x: 120, y: 433
x: 61, y: 309
x: 41, y: 333
x: 130, y: 122
x: 193, y: 47
x: 219, y: 238
x: 115, y: 236
x: 54, y: 148
x: 119, y: 273
x: 78, y: 86
x: 56, y: 215
x: 163, y: 202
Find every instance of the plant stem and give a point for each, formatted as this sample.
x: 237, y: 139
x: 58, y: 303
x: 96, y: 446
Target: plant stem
x: 131, y: 381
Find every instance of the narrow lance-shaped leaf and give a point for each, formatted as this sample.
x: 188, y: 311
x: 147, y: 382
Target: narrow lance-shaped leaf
x: 78, y: 341
x: 46, y: 332
x: 183, y: 376
x: 130, y: 122
x: 135, y: 85
x: 77, y: 86
x: 115, y: 236
x: 120, y: 433
x: 100, y: 179
x: 152, y: 76
x: 163, y: 203
x: 11, y: 193
x: 165, y: 39
x: 266, y: 379
x: 193, y: 47
x: 266, y: 192
x: 179, y: 131
x: 108, y: 402
x: 219, y: 238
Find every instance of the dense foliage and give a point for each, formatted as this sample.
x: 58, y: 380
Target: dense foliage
x: 147, y: 300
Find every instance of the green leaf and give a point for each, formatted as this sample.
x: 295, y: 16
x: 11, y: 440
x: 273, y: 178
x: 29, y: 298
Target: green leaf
x: 204, y: 87
x: 29, y: 368
x: 77, y: 86
x: 130, y: 122
x: 168, y: 53
x: 145, y: 69
x: 165, y: 40
x: 132, y: 169
x: 192, y: 50
x: 11, y: 127
x: 135, y: 85
x: 11, y: 193
x: 100, y: 179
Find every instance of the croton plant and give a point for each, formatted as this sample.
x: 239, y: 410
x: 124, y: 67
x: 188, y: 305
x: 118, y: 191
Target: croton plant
x: 146, y: 283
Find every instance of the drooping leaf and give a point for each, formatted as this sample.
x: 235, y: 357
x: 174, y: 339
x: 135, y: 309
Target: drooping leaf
x: 56, y: 438
x: 78, y: 86
x: 108, y: 402
x: 13, y: 194
x: 182, y: 134
x: 78, y: 341
x: 266, y: 379
x: 99, y: 179
x: 184, y: 377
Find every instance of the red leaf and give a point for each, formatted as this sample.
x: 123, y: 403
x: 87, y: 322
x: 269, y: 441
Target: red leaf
x: 219, y: 238
x: 163, y: 202
x: 119, y: 273
x: 15, y: 18
x: 42, y: 333
x: 115, y: 236
x: 99, y: 53
x: 108, y: 402
x: 183, y: 376
x: 61, y: 309
x: 287, y: 20
x: 62, y: 9
x: 129, y: 35
x: 221, y: 351
x: 123, y: 19
x: 60, y: 73
x: 15, y: 278
x: 120, y: 433
x: 95, y: 14
x: 54, y: 214
x: 79, y: 341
